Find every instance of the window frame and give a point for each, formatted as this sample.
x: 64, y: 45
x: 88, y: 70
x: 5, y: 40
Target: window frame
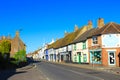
x: 84, y: 45
x: 94, y: 40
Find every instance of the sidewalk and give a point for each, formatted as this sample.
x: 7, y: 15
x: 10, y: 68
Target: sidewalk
x: 114, y: 70
x: 29, y: 72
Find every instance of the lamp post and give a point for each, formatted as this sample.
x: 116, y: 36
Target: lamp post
x: 93, y: 56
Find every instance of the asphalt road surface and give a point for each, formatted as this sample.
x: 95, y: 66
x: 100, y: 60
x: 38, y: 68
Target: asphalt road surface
x: 62, y: 72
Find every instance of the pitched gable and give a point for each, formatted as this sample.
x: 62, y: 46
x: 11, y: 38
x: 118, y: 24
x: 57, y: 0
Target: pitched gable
x: 107, y: 29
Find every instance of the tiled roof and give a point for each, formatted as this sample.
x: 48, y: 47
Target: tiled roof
x: 107, y: 29
x: 84, y: 36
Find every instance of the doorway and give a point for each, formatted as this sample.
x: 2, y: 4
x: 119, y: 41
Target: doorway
x: 79, y: 57
x: 111, y: 58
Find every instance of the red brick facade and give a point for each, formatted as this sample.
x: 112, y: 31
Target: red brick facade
x: 105, y: 57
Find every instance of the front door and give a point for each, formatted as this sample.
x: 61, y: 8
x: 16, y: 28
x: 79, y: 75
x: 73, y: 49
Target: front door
x: 61, y: 58
x: 79, y: 57
x: 111, y: 56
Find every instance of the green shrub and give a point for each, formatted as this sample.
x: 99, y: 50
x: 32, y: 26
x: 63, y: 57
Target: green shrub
x: 20, y: 56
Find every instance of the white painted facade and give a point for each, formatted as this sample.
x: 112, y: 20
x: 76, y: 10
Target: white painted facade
x: 41, y: 53
x: 51, y: 55
x: 70, y: 47
x: 63, y: 51
x: 111, y: 43
x: 110, y: 40
x: 84, y: 53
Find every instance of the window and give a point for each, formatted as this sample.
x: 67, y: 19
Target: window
x: 84, y: 58
x: 95, y: 40
x: 95, y: 57
x: 75, y: 47
x: 84, y: 45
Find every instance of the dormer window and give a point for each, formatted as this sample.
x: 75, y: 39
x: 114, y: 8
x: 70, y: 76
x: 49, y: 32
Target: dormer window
x: 95, y: 40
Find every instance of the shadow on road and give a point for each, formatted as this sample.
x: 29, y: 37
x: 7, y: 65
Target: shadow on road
x: 7, y: 71
x: 6, y: 74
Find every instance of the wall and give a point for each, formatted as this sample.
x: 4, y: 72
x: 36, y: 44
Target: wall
x: 105, y: 56
x: 70, y: 47
x: 110, y: 40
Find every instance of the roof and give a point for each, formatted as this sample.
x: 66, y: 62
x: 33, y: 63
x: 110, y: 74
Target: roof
x: 17, y: 39
x: 84, y: 36
x: 68, y: 39
x: 56, y: 44
x: 107, y: 29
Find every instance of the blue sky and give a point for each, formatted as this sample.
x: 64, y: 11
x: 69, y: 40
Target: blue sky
x: 42, y: 20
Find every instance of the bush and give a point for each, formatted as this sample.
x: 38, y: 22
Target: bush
x: 20, y: 56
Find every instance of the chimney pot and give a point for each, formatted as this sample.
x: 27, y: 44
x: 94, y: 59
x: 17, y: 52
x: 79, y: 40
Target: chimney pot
x: 100, y: 22
x: 17, y: 33
x: 76, y: 28
x: 89, y: 25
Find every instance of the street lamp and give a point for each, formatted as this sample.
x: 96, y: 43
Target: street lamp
x: 93, y: 55
x: 93, y: 58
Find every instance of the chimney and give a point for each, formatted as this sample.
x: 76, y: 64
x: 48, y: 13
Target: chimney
x: 17, y: 33
x: 76, y: 28
x: 89, y: 25
x: 66, y: 33
x: 100, y: 22
x: 3, y: 37
x: 52, y: 41
x: 8, y: 37
x: 56, y: 39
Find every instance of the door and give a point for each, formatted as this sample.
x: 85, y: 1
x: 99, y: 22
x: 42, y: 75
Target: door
x: 84, y: 58
x: 111, y: 56
x: 61, y: 58
x: 79, y: 57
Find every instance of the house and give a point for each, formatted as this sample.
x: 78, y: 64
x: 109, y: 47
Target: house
x: 17, y: 44
x: 62, y: 48
x: 65, y: 48
x: 35, y: 55
x: 80, y: 45
x: 65, y: 55
x: 44, y: 51
x: 104, y: 44
x: 53, y: 51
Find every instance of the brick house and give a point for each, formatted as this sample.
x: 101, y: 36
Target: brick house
x: 104, y: 44
x: 80, y: 47
x: 16, y: 44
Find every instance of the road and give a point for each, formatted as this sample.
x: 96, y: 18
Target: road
x: 62, y: 72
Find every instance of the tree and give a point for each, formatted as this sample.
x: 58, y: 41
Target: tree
x: 20, y: 56
x: 5, y: 47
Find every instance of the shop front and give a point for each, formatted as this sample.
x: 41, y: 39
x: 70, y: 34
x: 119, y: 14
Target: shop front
x: 95, y: 56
